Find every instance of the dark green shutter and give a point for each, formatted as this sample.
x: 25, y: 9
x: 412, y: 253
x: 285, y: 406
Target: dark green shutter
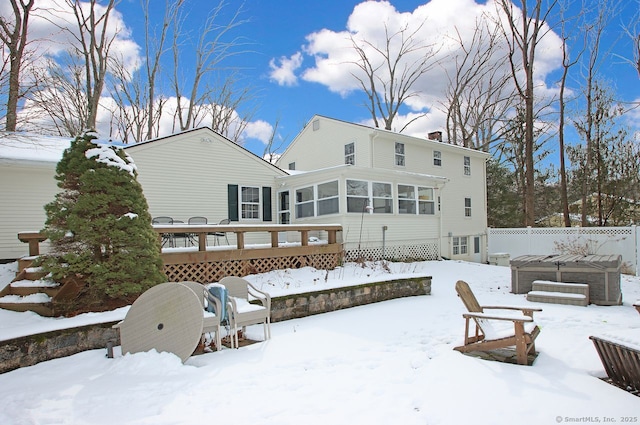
x: 232, y: 201
x: 266, y: 204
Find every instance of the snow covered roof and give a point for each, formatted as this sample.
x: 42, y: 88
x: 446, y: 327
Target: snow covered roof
x: 25, y: 147
x: 32, y: 147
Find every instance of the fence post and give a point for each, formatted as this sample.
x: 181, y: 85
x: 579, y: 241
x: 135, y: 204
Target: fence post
x: 636, y: 233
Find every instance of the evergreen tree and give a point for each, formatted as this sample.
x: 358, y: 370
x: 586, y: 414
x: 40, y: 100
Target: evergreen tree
x: 504, y: 205
x: 100, y: 227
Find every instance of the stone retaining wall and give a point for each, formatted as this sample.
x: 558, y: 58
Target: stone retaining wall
x: 32, y: 349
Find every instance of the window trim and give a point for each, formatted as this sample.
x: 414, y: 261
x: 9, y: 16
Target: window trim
x: 460, y: 245
x: 467, y: 207
x: 400, y: 156
x: 311, y: 202
x: 348, y: 196
x: 286, y: 212
x: 437, y: 158
x: 318, y: 199
x: 386, y: 199
x: 350, y: 158
x: 416, y: 199
x: 257, y: 204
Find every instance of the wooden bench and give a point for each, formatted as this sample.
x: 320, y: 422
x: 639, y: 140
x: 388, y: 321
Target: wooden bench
x: 622, y: 363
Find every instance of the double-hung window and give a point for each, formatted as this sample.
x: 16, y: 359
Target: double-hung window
x: 426, y: 201
x: 400, y: 154
x: 304, y: 202
x: 250, y: 202
x: 467, y: 207
x: 382, y: 198
x: 467, y: 166
x: 357, y: 195
x: 460, y: 245
x: 416, y: 200
x: 350, y: 153
x: 328, y: 201
x: 406, y: 199
x: 437, y: 158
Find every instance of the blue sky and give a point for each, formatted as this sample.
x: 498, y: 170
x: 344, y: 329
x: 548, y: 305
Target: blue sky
x: 280, y: 29
x: 297, y: 51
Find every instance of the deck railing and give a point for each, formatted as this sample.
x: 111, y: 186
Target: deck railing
x: 209, y: 263
x: 201, y: 231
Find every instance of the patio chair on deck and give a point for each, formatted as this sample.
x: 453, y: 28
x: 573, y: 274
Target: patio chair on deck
x: 221, y: 234
x: 166, y: 237
x: 211, y: 322
x: 488, y: 334
x: 241, y: 312
x: 184, y: 236
x: 197, y: 220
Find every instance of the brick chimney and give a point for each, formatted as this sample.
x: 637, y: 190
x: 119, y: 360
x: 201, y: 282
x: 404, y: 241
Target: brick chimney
x: 435, y: 135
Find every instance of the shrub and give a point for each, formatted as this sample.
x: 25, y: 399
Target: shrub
x: 100, y: 227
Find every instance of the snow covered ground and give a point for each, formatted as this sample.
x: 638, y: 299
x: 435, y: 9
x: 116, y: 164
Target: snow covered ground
x: 386, y: 363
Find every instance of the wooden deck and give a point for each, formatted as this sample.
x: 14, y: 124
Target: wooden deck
x: 206, y: 262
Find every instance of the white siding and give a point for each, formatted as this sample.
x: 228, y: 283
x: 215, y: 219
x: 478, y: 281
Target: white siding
x: 375, y: 149
x: 322, y: 148
x: 187, y: 175
x: 25, y: 191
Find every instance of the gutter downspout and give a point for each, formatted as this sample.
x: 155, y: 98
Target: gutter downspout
x: 372, y: 137
x: 440, y: 205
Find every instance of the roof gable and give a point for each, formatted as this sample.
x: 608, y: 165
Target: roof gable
x: 378, y: 131
x: 206, y: 136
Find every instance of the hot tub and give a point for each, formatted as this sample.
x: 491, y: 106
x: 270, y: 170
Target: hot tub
x: 600, y: 272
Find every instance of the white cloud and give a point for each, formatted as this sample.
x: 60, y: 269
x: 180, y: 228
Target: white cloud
x: 46, y: 39
x: 284, y: 73
x: 441, y: 23
x: 259, y: 129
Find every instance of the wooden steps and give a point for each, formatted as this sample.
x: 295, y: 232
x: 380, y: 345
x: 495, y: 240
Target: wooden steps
x: 545, y: 291
x: 29, y: 291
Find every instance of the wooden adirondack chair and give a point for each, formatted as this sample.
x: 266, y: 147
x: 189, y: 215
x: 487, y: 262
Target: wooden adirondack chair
x: 488, y: 335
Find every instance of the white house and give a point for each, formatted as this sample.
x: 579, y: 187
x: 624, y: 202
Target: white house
x: 27, y: 183
x: 192, y: 173
x: 395, y: 196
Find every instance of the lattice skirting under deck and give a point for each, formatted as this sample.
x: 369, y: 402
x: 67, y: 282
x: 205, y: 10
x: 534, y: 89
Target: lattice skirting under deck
x: 422, y: 252
x: 214, y: 271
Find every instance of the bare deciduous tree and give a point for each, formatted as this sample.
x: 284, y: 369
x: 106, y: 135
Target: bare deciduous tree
x: 388, y: 73
x: 613, y: 175
x: 94, y: 43
x: 523, y: 34
x: 211, y: 50
x: 69, y: 88
x: 567, y: 63
x: 59, y: 97
x: 138, y: 107
x: 14, y: 38
x: 478, y: 94
x: 224, y: 102
x: 594, y: 31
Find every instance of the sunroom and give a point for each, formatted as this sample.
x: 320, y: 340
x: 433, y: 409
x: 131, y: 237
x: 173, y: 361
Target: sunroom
x: 388, y: 214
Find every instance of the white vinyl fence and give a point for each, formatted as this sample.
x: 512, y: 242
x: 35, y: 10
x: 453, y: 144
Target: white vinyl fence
x: 569, y: 240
